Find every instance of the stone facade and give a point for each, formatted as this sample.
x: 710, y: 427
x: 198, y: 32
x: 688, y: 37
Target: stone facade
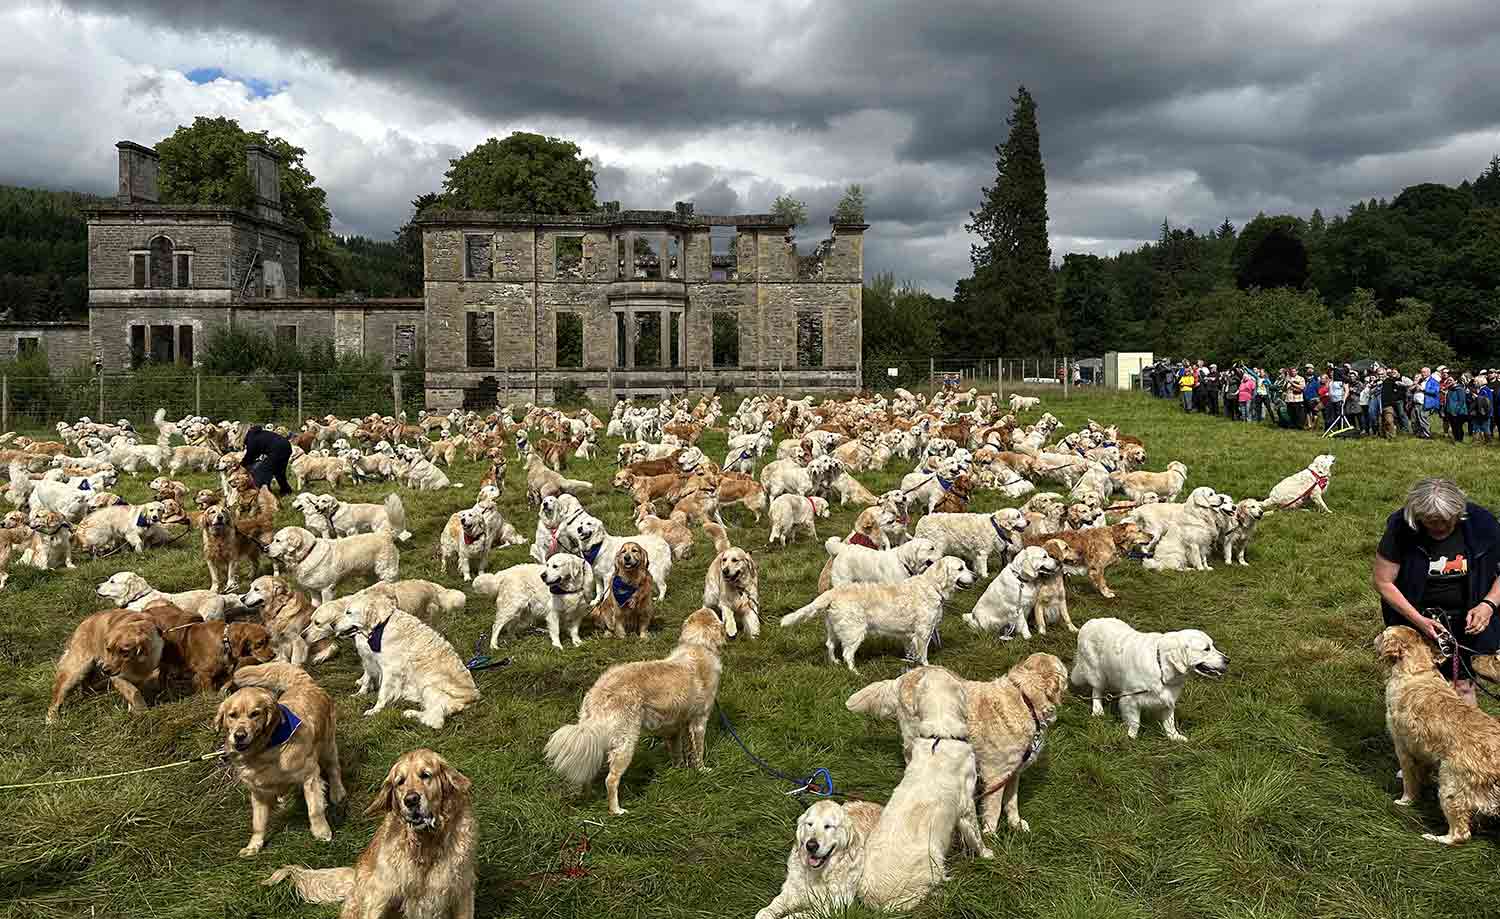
x: 648, y: 301
x: 65, y: 344
x: 647, y: 291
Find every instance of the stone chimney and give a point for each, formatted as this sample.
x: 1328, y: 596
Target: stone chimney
x: 137, y: 174
x: 265, y: 178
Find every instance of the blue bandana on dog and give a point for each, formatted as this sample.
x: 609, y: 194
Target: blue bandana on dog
x: 622, y: 590
x: 288, y: 726
x: 376, y: 634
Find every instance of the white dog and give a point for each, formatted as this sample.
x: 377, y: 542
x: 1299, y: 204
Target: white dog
x: 1146, y: 670
x: 424, y: 476
x: 405, y: 660
x: 1247, y: 514
x: 128, y: 590
x: 1300, y: 488
x: 105, y: 528
x: 1189, y: 536
x: 906, y: 854
x: 1010, y: 599
x: 855, y: 564
x: 793, y: 512
x: 827, y: 860
x: 910, y: 610
x: 555, y: 511
x: 341, y: 518
x: 557, y: 593
x: 319, y: 564
x: 972, y: 537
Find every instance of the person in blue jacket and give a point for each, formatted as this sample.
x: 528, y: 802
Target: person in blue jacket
x: 1456, y: 408
x: 1435, y: 571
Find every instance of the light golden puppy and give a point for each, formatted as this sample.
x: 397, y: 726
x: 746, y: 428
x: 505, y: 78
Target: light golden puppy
x: 279, y: 735
x: 823, y: 869
x: 1051, y: 590
x: 1434, y: 729
x: 420, y: 862
x: 731, y: 587
x: 670, y: 698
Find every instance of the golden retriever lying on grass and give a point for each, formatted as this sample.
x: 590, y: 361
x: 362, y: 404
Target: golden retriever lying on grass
x: 1431, y: 726
x: 421, y: 860
x: 670, y: 698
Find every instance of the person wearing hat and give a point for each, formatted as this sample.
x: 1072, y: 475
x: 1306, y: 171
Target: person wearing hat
x: 1455, y: 400
x: 1311, y: 399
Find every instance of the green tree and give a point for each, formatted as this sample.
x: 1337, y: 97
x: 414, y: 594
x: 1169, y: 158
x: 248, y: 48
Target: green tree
x: 1008, y: 304
x: 409, y: 242
x: 524, y: 174
x: 851, y: 207
x: 899, y: 329
x: 789, y: 209
x: 1270, y: 253
x: 1087, y: 305
x: 204, y: 163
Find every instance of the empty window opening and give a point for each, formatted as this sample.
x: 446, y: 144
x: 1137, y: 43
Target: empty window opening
x: 648, y: 340
x: 161, y: 262
x: 674, y: 258
x: 478, y: 261
x: 137, y: 346
x: 185, y: 344
x: 675, y: 346
x: 569, y: 340
x: 286, y: 336
x: 622, y: 340
x: 162, y: 349
x: 138, y: 271
x: 647, y: 251
x: 569, y: 260
x: 809, y: 339
x: 184, y: 271
x: 722, y: 244
x: 726, y: 339
x: 26, y: 346
x: 481, y: 339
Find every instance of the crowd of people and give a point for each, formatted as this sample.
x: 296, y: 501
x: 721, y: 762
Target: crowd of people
x: 1367, y: 400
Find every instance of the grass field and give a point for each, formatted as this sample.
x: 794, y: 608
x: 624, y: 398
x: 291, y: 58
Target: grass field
x: 1279, y: 805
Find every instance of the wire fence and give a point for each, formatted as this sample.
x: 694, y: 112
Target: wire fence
x: 883, y: 373
x: 29, y: 403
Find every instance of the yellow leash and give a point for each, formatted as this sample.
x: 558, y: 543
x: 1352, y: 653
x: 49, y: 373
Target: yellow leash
x: 114, y: 775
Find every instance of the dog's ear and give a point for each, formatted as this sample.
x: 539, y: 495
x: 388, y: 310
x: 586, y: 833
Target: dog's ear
x: 386, y: 795
x: 454, y: 782
x: 1171, y: 652
x: 219, y: 714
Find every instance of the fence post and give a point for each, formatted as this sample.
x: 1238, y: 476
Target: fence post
x: 780, y: 375
x: 197, y: 391
x: 609, y: 382
x: 931, y: 371
x: 101, y: 398
x: 300, y: 417
x: 1067, y: 378
x: 4, y: 402
x: 396, y: 392
x: 1000, y: 378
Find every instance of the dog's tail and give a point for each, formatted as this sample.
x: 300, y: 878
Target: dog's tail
x: 809, y: 611
x: 720, y: 536
x: 315, y: 885
x: 880, y: 699
x: 160, y: 417
x: 576, y: 751
x: 455, y: 485
x: 277, y: 676
x: 395, y: 514
x: 452, y: 601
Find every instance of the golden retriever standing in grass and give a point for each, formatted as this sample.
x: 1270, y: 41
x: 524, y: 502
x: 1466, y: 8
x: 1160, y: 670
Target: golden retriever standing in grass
x: 627, y: 605
x: 279, y: 735
x: 225, y: 547
x: 732, y: 585
x: 1431, y: 726
x: 420, y: 862
x: 670, y: 698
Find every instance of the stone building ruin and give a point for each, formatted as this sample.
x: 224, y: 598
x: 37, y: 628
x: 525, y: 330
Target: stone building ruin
x: 616, y: 303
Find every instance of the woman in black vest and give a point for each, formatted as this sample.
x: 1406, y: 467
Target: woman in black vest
x: 1435, y: 570
x: 266, y: 456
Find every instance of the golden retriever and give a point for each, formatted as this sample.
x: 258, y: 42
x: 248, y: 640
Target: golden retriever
x: 124, y: 645
x: 670, y: 698
x: 1433, y: 728
x: 420, y: 862
x: 279, y: 735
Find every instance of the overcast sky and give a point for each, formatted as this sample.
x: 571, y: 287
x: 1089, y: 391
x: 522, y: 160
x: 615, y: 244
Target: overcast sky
x: 1148, y: 108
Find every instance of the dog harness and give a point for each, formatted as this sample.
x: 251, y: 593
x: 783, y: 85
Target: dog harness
x: 288, y: 726
x: 622, y: 590
x: 944, y: 484
x: 376, y: 634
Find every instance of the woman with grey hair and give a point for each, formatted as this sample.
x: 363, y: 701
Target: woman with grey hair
x: 1435, y: 571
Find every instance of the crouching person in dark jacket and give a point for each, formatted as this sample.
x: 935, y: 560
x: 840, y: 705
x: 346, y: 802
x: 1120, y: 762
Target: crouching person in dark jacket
x: 266, y: 456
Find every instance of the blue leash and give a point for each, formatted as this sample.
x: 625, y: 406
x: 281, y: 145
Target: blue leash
x: 481, y: 661
x: 806, y: 786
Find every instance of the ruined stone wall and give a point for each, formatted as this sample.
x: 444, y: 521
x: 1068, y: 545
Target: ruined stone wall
x: 65, y: 344
x: 111, y: 243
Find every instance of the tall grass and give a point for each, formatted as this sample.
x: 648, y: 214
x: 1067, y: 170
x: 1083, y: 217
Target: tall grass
x: 1279, y: 805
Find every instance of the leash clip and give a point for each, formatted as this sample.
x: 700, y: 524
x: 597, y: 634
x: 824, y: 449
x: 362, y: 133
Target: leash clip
x: 811, y: 785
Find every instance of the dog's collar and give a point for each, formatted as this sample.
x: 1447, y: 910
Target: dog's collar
x: 83, y: 485
x: 377, y: 634
x: 939, y: 738
x: 622, y: 590
x: 944, y: 484
x: 860, y: 539
x: 999, y: 533
x: 1040, y: 733
x: 592, y: 553
x: 1322, y: 480
x: 145, y: 593
x: 285, y: 729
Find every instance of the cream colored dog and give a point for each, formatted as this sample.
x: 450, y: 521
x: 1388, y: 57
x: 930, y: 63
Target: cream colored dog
x: 972, y: 537
x: 910, y: 610
x: 670, y: 698
x: 1247, y: 515
x: 826, y: 861
x: 855, y: 564
x: 320, y: 564
x: 793, y: 512
x: 1304, y: 488
x: 466, y: 540
x: 405, y: 660
x: 555, y: 510
x: 1166, y: 485
x: 131, y: 591
x: 1146, y: 670
x: 1008, y: 603
x: 1191, y: 534
x: 347, y: 519
x: 586, y: 535
x: 557, y: 594
x: 104, y: 529
x: 906, y: 854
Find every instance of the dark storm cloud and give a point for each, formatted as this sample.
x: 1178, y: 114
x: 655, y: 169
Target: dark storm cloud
x: 1148, y: 108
